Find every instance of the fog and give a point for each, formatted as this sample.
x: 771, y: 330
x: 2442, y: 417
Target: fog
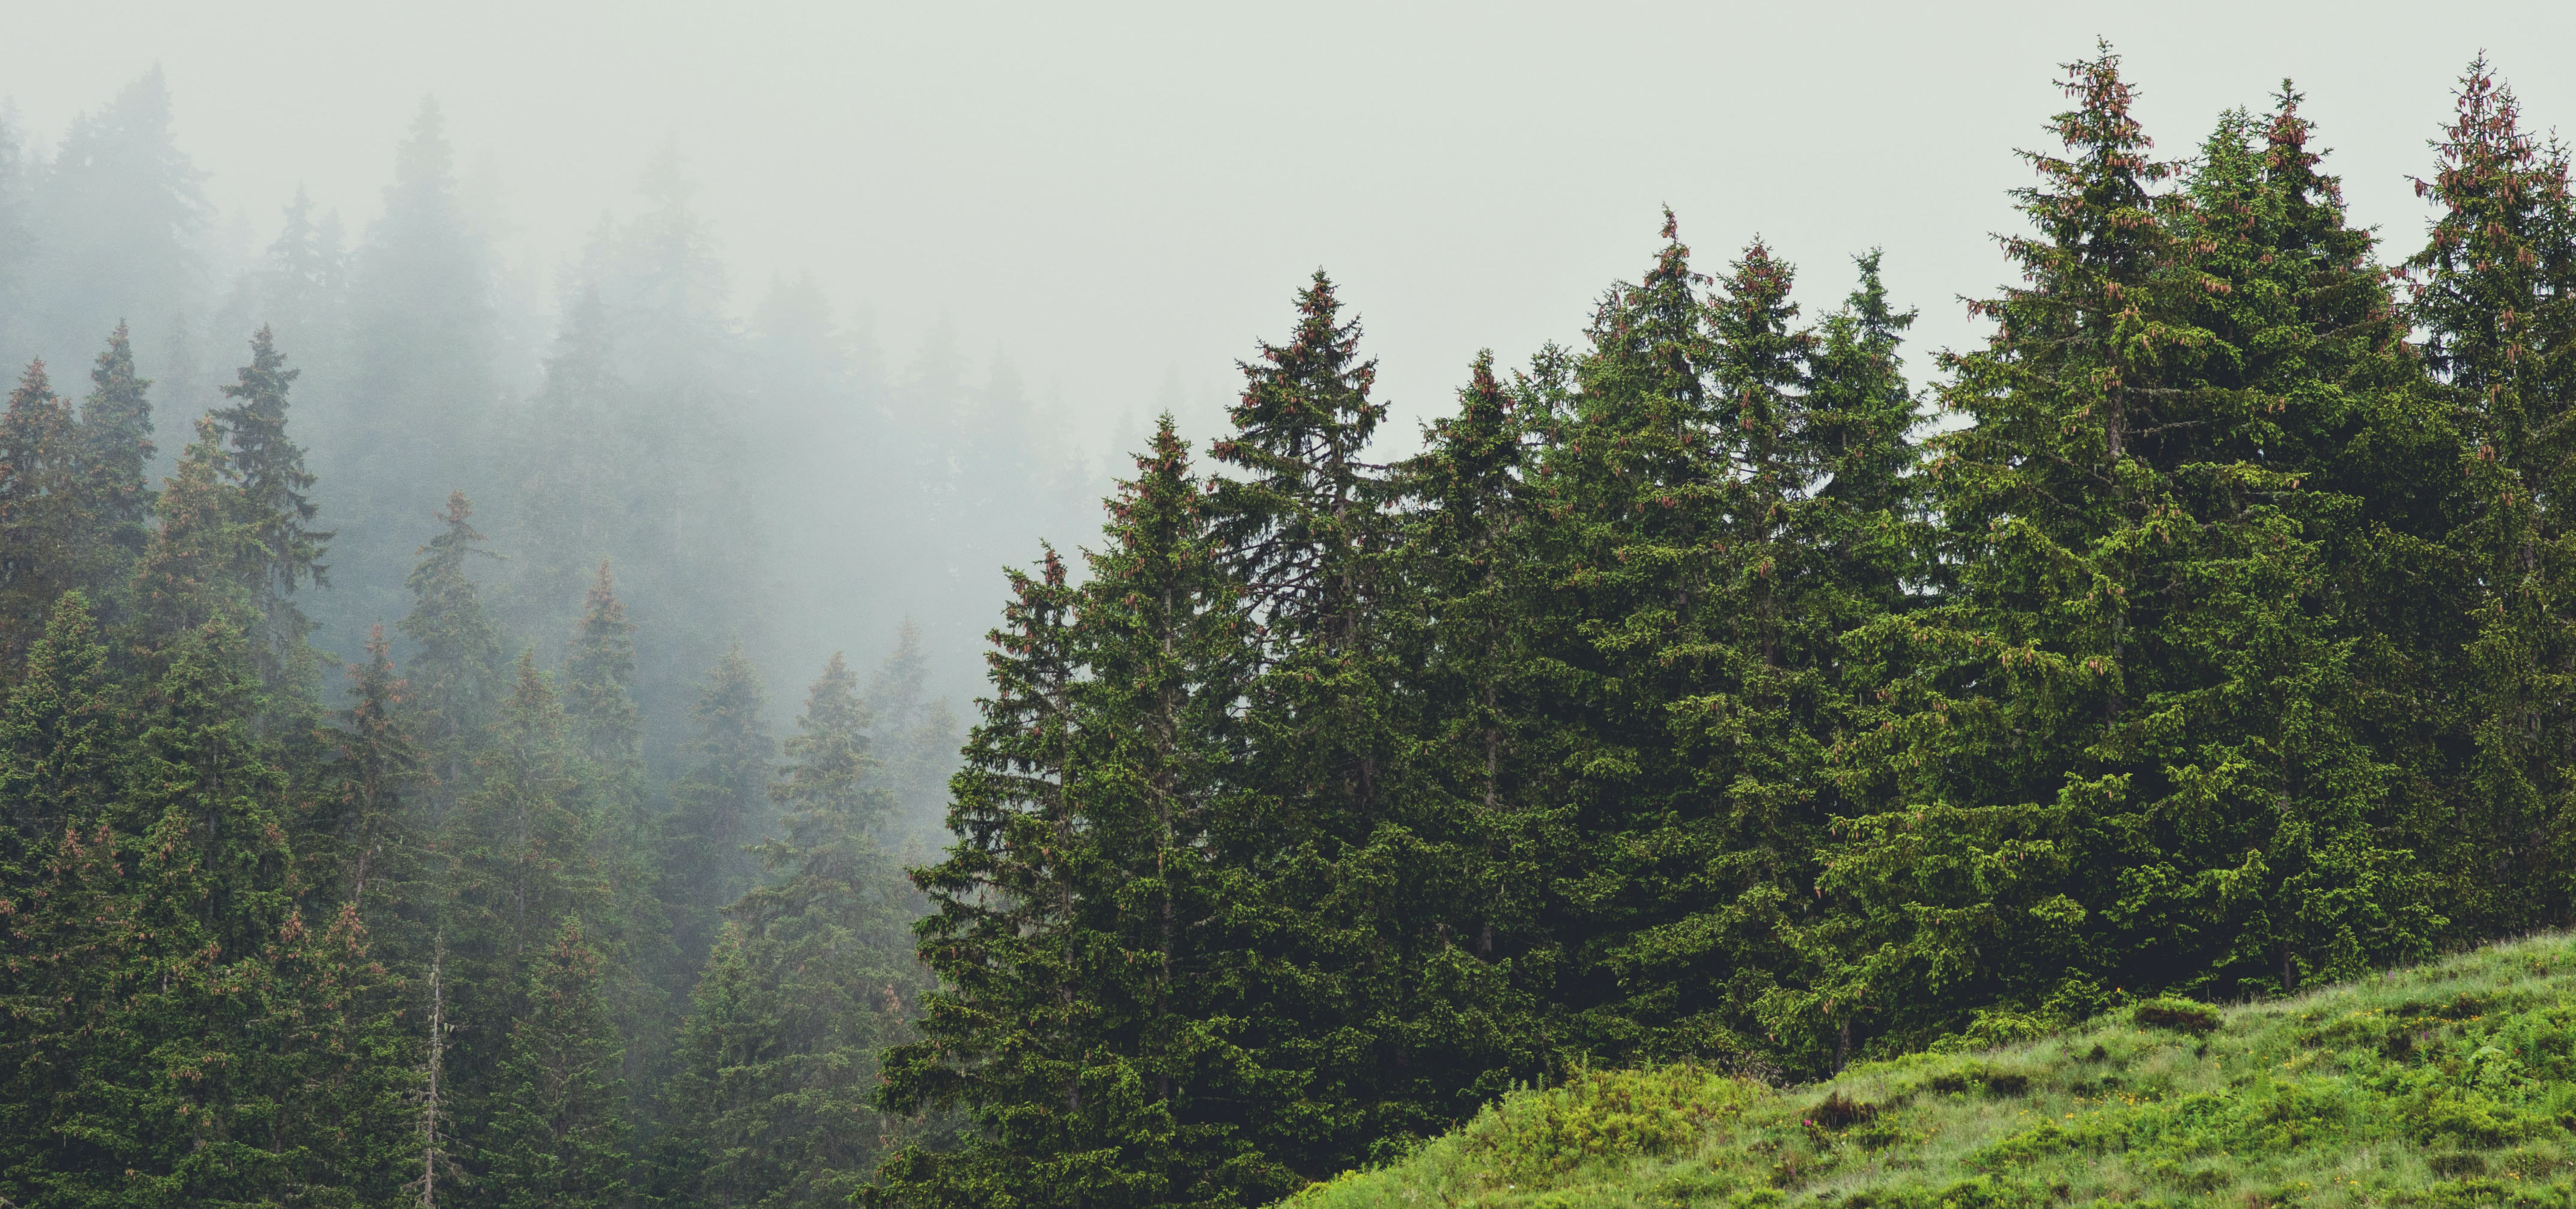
x: 882, y: 292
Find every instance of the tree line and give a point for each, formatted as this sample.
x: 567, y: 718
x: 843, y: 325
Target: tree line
x: 1697, y: 693
x: 1701, y: 691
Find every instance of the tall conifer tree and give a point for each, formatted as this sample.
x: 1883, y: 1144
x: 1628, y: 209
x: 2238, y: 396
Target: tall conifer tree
x: 809, y: 981
x: 2495, y: 292
x: 113, y: 447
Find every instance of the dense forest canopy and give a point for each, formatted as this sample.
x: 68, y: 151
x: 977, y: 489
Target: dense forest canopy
x: 407, y: 804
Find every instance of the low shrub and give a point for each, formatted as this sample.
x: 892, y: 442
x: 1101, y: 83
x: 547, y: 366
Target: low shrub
x: 2180, y: 1015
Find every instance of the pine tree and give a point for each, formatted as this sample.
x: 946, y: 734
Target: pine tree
x: 914, y: 733
x: 190, y: 574
x: 44, y: 528
x: 718, y: 808
x: 458, y: 678
x: 1359, y: 903
x: 1007, y: 1036
x: 277, y: 491
x: 2494, y: 290
x: 113, y: 446
x: 192, y: 1040
x: 559, y: 1138
x: 63, y: 740
x: 809, y: 981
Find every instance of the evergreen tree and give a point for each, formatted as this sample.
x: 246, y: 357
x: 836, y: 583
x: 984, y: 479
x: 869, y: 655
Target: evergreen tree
x: 809, y: 981
x: 602, y: 719
x: 1093, y: 975
x: 191, y: 572
x: 1635, y: 515
x: 718, y: 808
x: 420, y: 379
x: 1360, y: 907
x: 2124, y: 753
x: 2495, y: 293
x: 1007, y: 1036
x: 63, y: 740
x: 914, y: 735
x: 1464, y: 555
x: 384, y: 864
x: 118, y: 211
x: 519, y: 862
x: 113, y: 446
x: 276, y: 489
x: 558, y: 1140
x: 458, y: 677
x: 190, y: 1040
x: 45, y: 538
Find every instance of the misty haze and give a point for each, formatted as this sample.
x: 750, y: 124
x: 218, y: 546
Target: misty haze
x: 1016, y: 606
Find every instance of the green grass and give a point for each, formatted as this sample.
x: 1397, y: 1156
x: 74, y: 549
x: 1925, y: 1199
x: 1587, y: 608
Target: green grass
x: 2453, y: 1083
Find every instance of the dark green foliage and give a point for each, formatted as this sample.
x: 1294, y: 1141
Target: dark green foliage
x: 1086, y: 1019
x: 809, y: 981
x: 1686, y: 700
x: 1353, y: 891
x: 276, y: 491
x: 179, y: 1033
x: 113, y: 439
x: 45, y: 533
x: 2133, y: 745
x: 559, y: 1137
x: 2492, y: 292
x: 63, y: 737
x: 190, y: 573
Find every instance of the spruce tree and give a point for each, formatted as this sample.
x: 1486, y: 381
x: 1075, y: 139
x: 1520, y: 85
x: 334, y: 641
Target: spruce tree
x: 1177, y: 1101
x: 277, y: 491
x: 1466, y: 557
x: 599, y: 709
x: 2124, y: 752
x: 45, y: 538
x: 559, y: 1137
x: 2494, y: 291
x: 113, y: 447
x: 458, y: 675
x: 1012, y: 1031
x: 718, y: 808
x: 385, y: 866
x: 192, y: 1040
x: 191, y: 572
x: 1360, y: 873
x: 63, y: 740
x: 809, y: 981
x: 1635, y: 511
x: 915, y: 737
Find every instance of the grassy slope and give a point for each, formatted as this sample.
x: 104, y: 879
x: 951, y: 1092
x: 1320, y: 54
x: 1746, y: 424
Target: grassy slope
x: 2450, y: 1084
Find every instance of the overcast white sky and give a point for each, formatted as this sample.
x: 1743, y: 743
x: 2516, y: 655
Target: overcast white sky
x: 1113, y: 194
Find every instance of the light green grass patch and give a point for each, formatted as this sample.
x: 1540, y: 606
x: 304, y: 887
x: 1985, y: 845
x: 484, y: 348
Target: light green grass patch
x: 2451, y: 1084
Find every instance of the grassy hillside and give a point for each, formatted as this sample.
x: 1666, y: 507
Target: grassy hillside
x: 2449, y: 1084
